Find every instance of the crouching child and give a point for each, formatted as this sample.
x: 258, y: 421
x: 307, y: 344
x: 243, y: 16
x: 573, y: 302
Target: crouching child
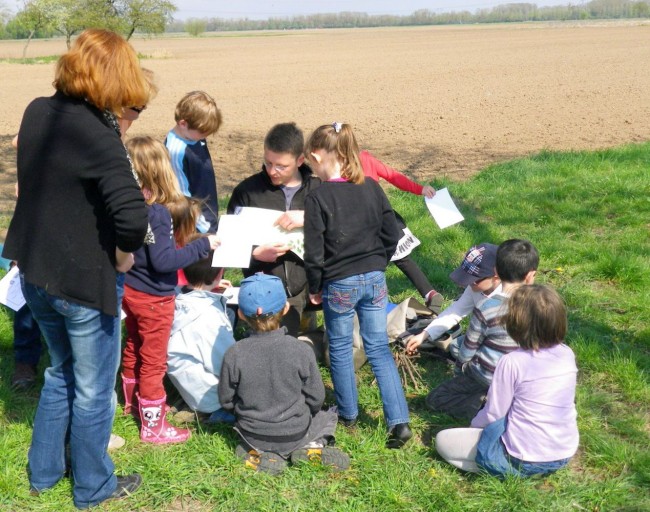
x: 200, y: 336
x: 270, y: 381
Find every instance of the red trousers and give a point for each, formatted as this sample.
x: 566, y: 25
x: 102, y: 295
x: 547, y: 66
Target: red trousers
x: 148, y: 324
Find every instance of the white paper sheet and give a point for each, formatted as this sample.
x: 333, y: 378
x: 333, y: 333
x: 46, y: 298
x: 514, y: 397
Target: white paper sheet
x: 236, y: 247
x: 443, y: 210
x: 261, y: 230
x: 11, y: 294
x: 232, y: 294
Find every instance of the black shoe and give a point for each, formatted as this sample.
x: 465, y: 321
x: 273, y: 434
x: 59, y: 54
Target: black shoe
x: 24, y: 377
x: 398, y: 435
x: 346, y: 422
x: 126, y: 485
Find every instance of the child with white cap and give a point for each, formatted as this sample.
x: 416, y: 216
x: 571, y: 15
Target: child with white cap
x: 271, y: 382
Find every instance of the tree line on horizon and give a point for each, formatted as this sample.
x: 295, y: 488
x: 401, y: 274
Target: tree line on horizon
x: 504, y: 13
x: 49, y: 18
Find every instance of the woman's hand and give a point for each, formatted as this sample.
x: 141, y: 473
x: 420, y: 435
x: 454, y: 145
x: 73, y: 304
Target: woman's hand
x: 123, y: 260
x: 316, y: 298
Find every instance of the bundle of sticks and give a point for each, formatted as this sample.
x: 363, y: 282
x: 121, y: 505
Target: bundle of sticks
x: 407, y: 367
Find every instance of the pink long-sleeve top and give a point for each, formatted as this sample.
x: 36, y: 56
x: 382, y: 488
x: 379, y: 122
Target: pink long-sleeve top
x: 375, y: 169
x: 536, y: 391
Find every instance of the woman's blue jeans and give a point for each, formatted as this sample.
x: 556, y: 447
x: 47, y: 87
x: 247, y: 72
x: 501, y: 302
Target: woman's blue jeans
x: 365, y: 294
x: 77, y: 403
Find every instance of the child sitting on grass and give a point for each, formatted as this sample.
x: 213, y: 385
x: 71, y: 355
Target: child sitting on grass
x: 528, y: 425
x: 200, y: 336
x: 270, y: 381
x: 486, y: 340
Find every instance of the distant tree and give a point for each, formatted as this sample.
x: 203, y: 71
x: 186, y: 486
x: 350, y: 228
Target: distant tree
x: 5, y: 13
x: 148, y: 16
x: 64, y: 16
x: 195, y: 27
x: 641, y: 9
x: 5, y: 16
x: 37, y: 15
x: 102, y: 14
x: 69, y: 17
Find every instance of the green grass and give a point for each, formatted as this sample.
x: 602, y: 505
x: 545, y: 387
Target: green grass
x: 45, y: 59
x: 588, y: 215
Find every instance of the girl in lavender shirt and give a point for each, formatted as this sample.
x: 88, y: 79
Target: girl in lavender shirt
x: 528, y: 425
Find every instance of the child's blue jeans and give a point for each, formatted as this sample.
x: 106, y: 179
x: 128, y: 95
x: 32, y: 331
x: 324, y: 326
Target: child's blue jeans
x: 491, y: 456
x: 365, y: 294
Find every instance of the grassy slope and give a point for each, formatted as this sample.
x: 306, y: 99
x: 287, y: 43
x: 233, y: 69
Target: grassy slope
x: 588, y: 215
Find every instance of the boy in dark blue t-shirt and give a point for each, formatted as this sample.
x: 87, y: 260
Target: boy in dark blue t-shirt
x: 197, y: 117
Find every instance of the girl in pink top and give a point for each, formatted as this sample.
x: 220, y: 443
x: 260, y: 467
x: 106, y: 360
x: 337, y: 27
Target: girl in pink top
x: 528, y: 425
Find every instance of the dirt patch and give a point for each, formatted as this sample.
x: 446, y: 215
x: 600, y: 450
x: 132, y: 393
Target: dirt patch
x: 431, y: 101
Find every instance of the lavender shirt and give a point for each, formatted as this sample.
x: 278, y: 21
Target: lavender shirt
x: 536, y: 390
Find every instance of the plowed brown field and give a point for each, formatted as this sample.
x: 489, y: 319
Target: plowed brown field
x: 430, y: 101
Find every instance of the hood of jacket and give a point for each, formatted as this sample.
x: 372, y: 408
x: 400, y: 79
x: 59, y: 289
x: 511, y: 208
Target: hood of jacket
x: 192, y: 305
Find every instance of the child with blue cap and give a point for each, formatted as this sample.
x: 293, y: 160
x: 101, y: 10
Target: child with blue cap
x: 271, y: 382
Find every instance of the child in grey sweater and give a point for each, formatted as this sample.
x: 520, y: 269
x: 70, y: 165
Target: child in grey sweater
x: 271, y: 382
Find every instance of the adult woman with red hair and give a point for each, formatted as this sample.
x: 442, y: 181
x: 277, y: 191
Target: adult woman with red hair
x: 79, y: 216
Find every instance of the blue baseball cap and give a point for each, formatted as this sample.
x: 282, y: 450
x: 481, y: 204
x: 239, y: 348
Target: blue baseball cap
x: 263, y: 292
x: 479, y: 262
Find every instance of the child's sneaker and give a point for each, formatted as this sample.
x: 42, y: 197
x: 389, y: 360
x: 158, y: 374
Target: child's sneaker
x: 265, y: 462
x: 327, y: 456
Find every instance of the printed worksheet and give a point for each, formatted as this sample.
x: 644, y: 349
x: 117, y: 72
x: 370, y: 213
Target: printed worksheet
x: 11, y: 294
x: 443, y: 209
x: 260, y: 228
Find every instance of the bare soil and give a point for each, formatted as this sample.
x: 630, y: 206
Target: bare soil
x: 430, y: 101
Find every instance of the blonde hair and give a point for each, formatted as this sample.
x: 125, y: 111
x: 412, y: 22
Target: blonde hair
x: 340, y: 139
x: 153, y: 167
x: 536, y: 317
x: 102, y: 68
x: 200, y: 111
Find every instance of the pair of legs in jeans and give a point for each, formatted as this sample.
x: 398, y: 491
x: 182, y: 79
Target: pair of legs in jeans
x: 77, y: 403
x: 367, y: 295
x: 476, y: 449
